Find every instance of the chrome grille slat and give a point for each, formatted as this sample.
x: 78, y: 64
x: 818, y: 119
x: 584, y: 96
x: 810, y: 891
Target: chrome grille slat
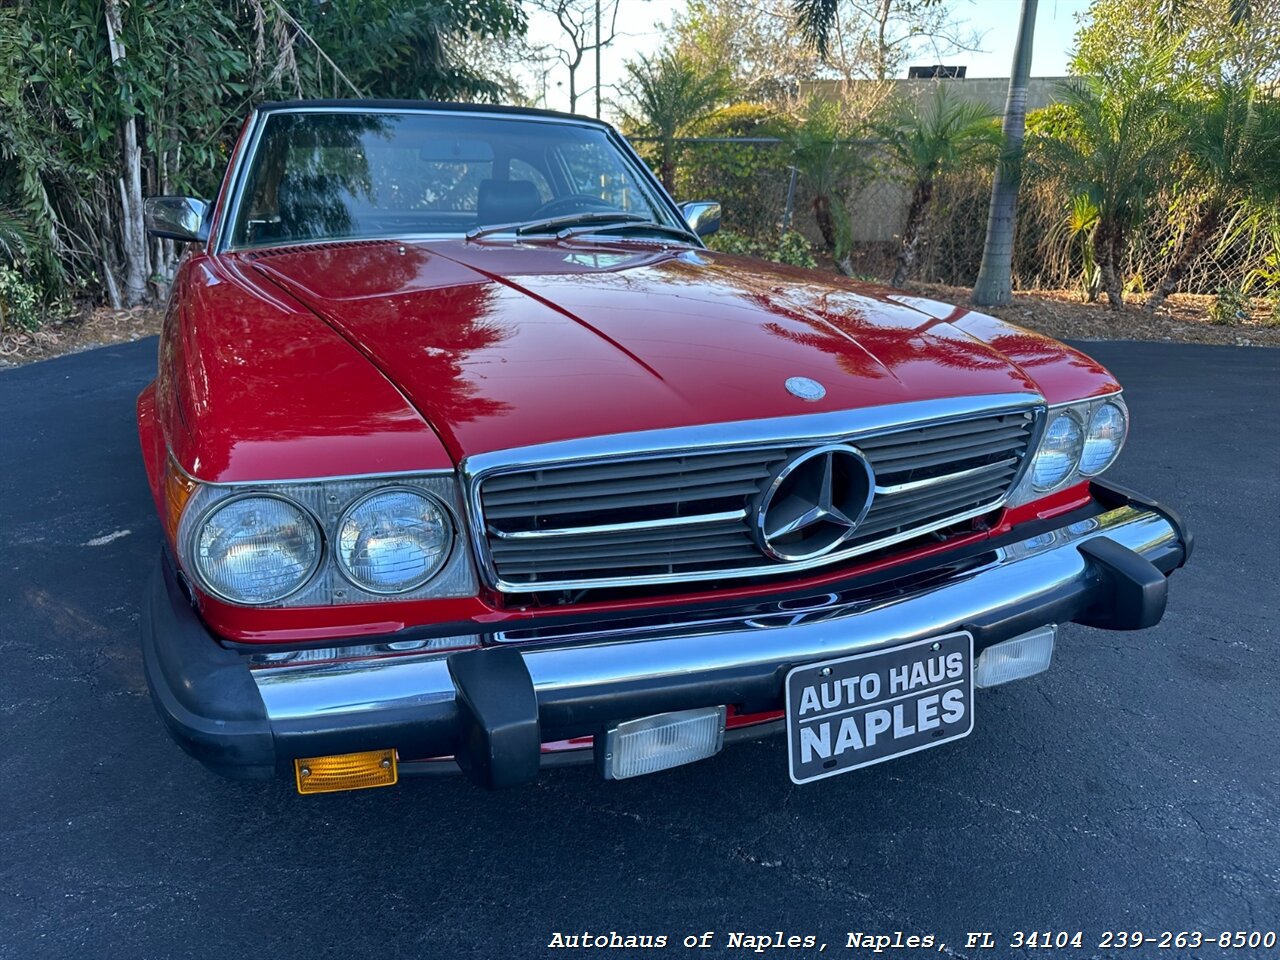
x: 745, y: 552
x: 652, y: 517
x: 948, y: 505
x: 932, y: 455
x: 657, y: 528
x: 923, y: 486
x: 941, y: 431
x: 626, y: 470
x: 934, y: 494
x: 620, y: 488
x: 618, y: 546
x: 623, y: 501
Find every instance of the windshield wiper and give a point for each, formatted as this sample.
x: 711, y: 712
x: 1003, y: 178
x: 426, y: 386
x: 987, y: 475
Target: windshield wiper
x: 557, y: 223
x: 642, y: 224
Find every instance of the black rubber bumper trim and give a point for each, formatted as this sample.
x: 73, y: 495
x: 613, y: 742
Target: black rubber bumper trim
x: 1112, y: 495
x: 202, y: 691
x: 499, y: 737
x: 1136, y: 591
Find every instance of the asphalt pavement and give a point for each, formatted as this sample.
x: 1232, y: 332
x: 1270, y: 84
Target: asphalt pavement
x: 1134, y: 787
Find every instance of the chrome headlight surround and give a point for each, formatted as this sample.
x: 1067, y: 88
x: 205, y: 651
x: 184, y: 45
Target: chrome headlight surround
x: 1082, y: 412
x: 326, y: 502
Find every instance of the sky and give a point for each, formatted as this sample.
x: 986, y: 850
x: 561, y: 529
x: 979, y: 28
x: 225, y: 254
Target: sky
x: 641, y: 22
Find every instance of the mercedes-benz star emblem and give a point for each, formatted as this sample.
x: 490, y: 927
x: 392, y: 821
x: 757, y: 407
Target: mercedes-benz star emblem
x: 814, y: 503
x: 805, y: 389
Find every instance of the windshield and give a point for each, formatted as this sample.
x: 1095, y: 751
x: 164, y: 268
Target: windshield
x: 353, y: 175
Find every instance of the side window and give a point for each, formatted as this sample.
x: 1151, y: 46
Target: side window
x: 523, y: 170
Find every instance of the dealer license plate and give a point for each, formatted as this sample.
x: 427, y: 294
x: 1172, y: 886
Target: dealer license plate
x: 864, y: 709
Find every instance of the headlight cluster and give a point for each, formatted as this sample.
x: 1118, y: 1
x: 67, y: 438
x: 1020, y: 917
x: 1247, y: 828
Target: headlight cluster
x: 296, y: 544
x: 1079, y: 440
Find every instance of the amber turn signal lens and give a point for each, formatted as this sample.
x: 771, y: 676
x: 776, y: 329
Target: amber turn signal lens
x: 178, y: 488
x: 346, y: 771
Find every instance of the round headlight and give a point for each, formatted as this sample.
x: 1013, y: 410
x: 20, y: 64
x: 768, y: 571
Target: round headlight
x: 1103, y: 439
x: 392, y: 541
x: 1059, y: 452
x: 257, y: 548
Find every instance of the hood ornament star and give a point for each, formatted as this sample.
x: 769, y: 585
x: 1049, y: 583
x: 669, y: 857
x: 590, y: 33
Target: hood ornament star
x: 814, y: 503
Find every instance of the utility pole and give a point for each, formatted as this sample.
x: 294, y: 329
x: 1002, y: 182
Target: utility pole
x: 599, y: 52
x: 994, y: 286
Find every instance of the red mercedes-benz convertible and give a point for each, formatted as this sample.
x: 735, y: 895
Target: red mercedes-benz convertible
x: 469, y: 454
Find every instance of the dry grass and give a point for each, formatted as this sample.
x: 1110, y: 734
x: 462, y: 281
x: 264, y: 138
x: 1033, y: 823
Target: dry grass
x: 1063, y: 314
x: 1059, y: 313
x: 99, y: 327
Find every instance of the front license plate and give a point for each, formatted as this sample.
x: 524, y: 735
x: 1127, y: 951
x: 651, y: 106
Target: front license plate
x: 853, y: 712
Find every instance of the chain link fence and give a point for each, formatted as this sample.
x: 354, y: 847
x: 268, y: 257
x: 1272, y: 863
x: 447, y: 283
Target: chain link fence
x: 762, y: 195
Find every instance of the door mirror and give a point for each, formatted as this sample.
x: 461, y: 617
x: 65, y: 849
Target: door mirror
x: 702, y: 216
x: 178, y: 218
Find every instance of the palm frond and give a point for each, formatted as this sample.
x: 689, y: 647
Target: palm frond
x: 16, y: 237
x: 816, y: 19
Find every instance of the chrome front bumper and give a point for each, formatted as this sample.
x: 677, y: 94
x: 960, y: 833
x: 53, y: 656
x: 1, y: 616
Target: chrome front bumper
x: 493, y: 706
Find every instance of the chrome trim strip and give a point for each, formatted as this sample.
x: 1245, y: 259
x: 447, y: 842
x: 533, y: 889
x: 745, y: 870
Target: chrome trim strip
x: 721, y: 644
x: 800, y: 430
x: 1075, y: 403
x: 231, y: 209
x: 332, y: 478
x: 898, y: 488
x: 728, y: 516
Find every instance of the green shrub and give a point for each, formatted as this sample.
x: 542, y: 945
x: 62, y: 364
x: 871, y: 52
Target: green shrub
x: 1230, y: 306
x: 794, y: 248
x: 791, y: 247
x: 20, y: 306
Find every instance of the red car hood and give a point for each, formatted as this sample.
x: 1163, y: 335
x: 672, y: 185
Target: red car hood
x: 502, y: 345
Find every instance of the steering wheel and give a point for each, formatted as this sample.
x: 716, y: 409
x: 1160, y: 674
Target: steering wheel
x: 573, y: 203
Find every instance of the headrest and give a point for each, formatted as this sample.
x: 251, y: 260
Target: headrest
x: 505, y: 201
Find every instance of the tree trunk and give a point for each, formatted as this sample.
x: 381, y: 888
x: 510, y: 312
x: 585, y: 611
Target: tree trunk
x: 913, y: 232
x: 1105, y: 247
x: 667, y: 168
x: 136, y: 266
x: 1191, y: 248
x: 994, y: 286
x: 826, y: 223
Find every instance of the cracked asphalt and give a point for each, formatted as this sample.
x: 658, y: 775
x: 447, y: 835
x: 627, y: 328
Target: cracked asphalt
x: 1136, y: 786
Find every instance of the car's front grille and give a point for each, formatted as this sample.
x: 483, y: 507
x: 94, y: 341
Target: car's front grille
x: 685, y: 515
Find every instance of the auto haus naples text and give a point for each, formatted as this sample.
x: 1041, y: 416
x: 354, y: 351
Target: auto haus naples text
x: 882, y: 706
x: 760, y: 942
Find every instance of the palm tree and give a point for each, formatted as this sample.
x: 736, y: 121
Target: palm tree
x: 1231, y: 145
x: 1117, y: 152
x: 926, y: 141
x: 828, y: 164
x: 994, y: 286
x: 669, y: 93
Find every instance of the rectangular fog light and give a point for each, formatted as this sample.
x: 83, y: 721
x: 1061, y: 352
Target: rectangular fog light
x: 660, y: 742
x: 1023, y: 656
x: 346, y: 771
